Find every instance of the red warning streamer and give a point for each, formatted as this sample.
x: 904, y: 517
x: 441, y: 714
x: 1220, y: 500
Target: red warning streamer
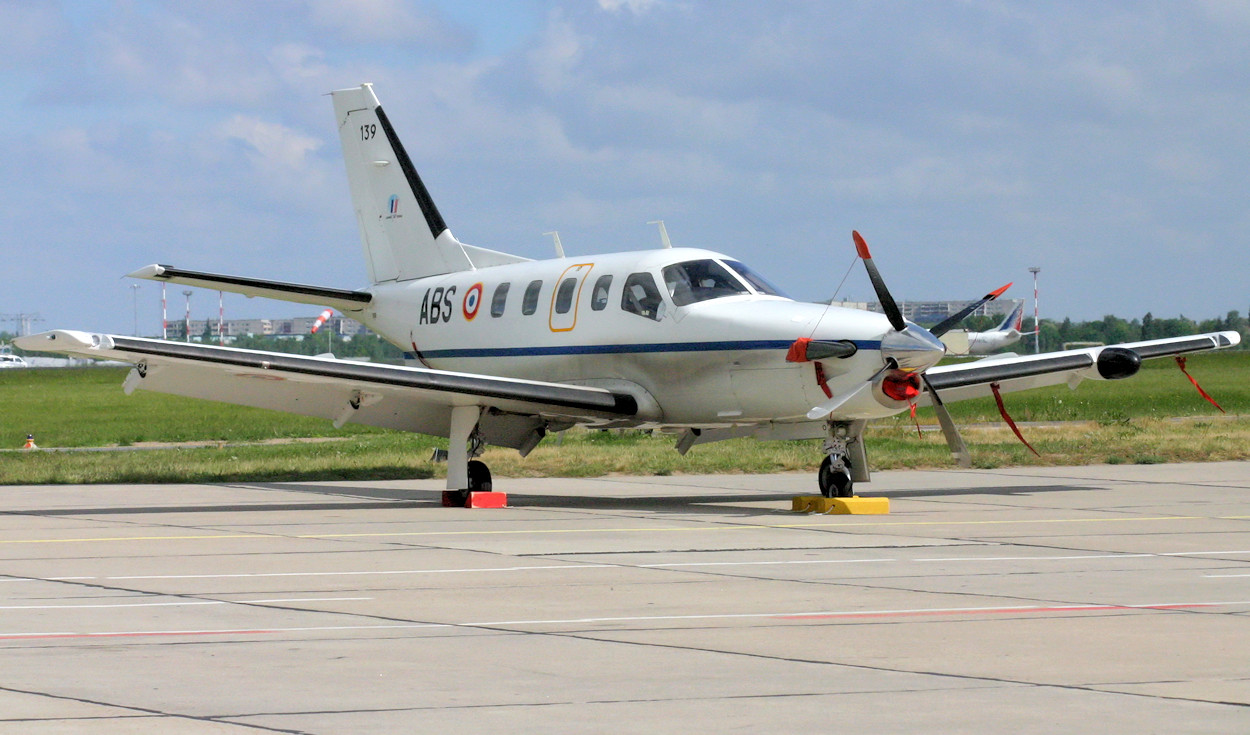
x: 1180, y: 362
x: 998, y: 397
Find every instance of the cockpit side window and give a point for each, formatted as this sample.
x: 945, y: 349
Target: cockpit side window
x: 753, y: 278
x: 641, y: 296
x: 700, y: 280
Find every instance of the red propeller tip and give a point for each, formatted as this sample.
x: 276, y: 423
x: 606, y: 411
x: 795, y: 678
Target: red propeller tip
x: 999, y: 292
x: 861, y: 247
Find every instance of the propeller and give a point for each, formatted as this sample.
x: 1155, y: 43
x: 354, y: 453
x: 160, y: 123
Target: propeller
x: 907, y: 351
x: 951, y: 321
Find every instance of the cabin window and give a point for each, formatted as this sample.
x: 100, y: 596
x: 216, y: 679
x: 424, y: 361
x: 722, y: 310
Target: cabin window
x: 529, y: 303
x: 599, y: 297
x: 700, y: 280
x: 641, y: 296
x: 499, y: 300
x: 753, y: 278
x: 564, y: 295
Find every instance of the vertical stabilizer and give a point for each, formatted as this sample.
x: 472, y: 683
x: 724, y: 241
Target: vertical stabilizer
x: 1014, y: 320
x: 403, y: 234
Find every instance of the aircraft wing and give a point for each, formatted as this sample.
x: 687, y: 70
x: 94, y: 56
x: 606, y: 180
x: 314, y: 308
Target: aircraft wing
x: 973, y: 379
x: 335, y: 298
x: 396, y: 397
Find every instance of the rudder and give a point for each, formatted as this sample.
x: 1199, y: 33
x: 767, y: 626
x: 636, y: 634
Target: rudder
x: 402, y: 232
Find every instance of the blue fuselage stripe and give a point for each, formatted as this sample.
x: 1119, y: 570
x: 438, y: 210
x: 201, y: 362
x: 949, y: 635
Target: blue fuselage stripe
x: 723, y: 346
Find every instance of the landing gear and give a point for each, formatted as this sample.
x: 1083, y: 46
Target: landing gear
x: 465, y: 474
x: 835, y: 481
x: 845, y: 460
x: 479, y: 477
x: 479, y: 482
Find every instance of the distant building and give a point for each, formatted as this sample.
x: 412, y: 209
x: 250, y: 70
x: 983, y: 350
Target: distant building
x: 295, y: 327
x: 931, y: 312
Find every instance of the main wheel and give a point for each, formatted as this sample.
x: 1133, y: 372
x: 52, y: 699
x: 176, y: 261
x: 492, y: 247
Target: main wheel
x: 479, y: 477
x: 834, y: 483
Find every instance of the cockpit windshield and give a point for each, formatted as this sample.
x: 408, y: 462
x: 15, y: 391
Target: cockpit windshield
x: 753, y: 278
x: 700, y: 280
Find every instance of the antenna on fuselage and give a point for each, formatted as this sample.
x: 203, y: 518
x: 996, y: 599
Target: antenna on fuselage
x: 663, y: 233
x: 555, y: 237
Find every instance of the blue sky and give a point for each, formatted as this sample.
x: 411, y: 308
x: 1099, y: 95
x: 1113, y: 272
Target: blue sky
x: 1108, y: 143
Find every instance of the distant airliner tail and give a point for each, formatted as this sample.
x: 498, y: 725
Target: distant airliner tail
x: 1014, y: 320
x: 403, y: 234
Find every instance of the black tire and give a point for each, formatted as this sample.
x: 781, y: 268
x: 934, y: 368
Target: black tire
x: 479, y: 477
x: 834, y: 484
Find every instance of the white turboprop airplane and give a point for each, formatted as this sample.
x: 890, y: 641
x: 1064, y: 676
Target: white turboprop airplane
x: 963, y: 342
x: 506, y: 349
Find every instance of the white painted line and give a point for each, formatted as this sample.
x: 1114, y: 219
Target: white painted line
x: 759, y: 563
x: 579, y: 567
x: 181, y: 603
x: 1224, y: 576
x: 565, y: 567
x: 1041, y: 558
x: 781, y: 616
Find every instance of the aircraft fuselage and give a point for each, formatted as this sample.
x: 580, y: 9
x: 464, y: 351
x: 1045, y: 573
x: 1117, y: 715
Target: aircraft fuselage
x: 623, y: 321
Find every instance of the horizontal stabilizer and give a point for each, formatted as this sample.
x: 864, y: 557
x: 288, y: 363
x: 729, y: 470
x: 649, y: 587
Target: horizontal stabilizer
x: 335, y: 298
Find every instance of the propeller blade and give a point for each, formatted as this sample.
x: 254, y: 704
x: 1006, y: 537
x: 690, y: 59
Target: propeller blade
x: 833, y: 404
x: 959, y: 450
x: 949, y: 322
x: 888, y: 304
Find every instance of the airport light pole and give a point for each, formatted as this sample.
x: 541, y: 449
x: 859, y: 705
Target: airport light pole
x: 134, y: 292
x: 1037, y: 325
x: 186, y: 335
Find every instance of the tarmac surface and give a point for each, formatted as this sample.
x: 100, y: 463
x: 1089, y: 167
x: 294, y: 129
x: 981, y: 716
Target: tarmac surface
x: 1109, y: 599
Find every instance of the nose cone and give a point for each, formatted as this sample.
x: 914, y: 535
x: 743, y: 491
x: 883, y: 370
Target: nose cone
x: 914, y: 348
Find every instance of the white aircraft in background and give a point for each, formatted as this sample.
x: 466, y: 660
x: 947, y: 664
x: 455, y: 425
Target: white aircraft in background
x: 507, y: 350
x: 963, y: 342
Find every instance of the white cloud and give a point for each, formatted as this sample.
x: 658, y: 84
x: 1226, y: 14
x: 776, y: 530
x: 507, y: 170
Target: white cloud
x: 557, y: 56
x: 273, y: 144
x: 636, y: 7
x: 385, y: 21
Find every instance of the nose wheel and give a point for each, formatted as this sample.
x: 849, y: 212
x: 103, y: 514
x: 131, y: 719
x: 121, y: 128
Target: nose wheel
x: 834, y: 478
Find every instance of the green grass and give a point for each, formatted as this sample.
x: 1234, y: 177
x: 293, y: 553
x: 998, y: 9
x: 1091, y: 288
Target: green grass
x: 1121, y: 422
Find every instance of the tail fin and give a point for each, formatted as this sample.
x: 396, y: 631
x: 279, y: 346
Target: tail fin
x: 403, y: 234
x: 1014, y: 320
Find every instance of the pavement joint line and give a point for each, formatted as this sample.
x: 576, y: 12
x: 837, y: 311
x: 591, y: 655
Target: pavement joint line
x: 669, y: 529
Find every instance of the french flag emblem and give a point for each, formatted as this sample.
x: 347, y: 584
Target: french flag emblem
x: 394, y: 204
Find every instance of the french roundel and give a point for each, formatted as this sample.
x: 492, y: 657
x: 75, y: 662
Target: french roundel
x: 472, y: 300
